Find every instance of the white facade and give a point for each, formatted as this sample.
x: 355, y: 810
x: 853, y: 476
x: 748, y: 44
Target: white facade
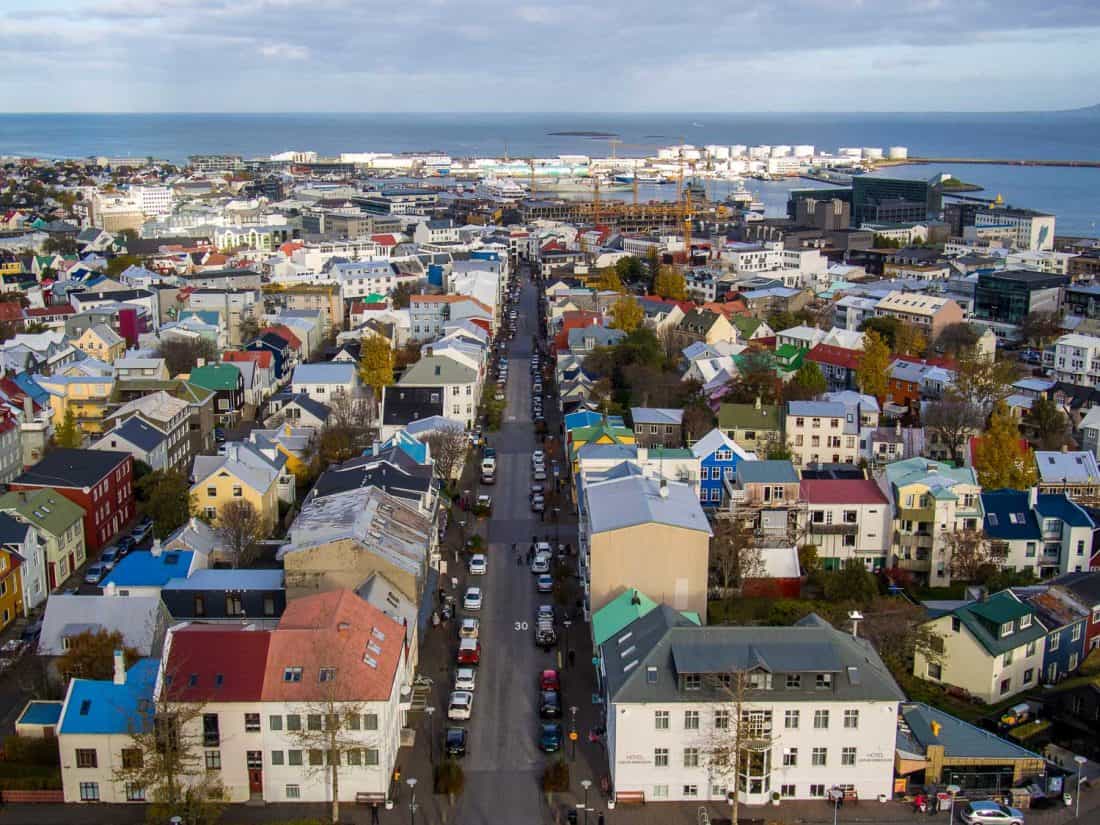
x: 154, y: 201
x: 1077, y: 360
x: 1029, y: 230
x: 844, y: 532
x: 822, y: 436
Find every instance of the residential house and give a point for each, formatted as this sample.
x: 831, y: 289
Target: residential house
x: 59, y: 526
x: 1084, y: 588
x: 100, y: 482
x: 756, y: 427
x: 839, y: 365
x: 145, y: 572
x: 166, y: 414
x: 128, y: 369
x: 142, y: 621
x: 221, y: 595
x: 326, y: 381
x: 992, y: 649
x: 242, y: 474
x: 285, y: 349
x: 644, y: 534
x: 655, y: 427
x: 1048, y: 534
x: 323, y: 298
x: 227, y: 384
x: 1066, y: 621
x: 143, y: 441
x: 429, y: 313
x: 263, y: 373
x: 848, y: 521
x: 86, y: 397
x: 1075, y: 473
x: 718, y: 456
x: 299, y: 410
x: 929, y: 313
x: 818, y: 711
x: 102, y: 342
x: 18, y: 584
x: 706, y: 326
x: 461, y: 385
x: 766, y: 497
x: 822, y: 432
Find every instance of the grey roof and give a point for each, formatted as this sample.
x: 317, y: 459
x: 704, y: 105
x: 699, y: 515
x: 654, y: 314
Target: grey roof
x: 823, y: 409
x: 656, y: 415
x: 432, y: 370
x: 241, y: 460
x: 773, y: 471
x: 1073, y: 467
x: 643, y: 662
x: 960, y: 740
x: 137, y: 432
x: 210, y: 578
x: 332, y: 372
x: 627, y: 502
x: 138, y: 617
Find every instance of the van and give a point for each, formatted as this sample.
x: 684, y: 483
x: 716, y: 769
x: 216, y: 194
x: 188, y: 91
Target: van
x: 489, y: 465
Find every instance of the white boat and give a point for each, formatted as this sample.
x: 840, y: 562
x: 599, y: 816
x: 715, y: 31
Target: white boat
x: 642, y: 178
x: 500, y: 189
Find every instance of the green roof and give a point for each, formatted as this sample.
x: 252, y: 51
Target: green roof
x: 434, y: 370
x: 984, y: 620
x: 216, y: 377
x: 746, y: 325
x: 46, y: 509
x: 748, y: 417
x: 624, y: 609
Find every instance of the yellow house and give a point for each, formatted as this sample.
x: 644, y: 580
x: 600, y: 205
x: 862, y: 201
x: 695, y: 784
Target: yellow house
x: 11, y: 268
x: 11, y: 588
x: 242, y: 474
x: 102, y: 342
x: 602, y: 433
x: 86, y: 396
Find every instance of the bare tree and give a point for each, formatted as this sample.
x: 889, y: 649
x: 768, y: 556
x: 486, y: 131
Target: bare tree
x: 240, y: 528
x: 953, y: 419
x: 971, y: 554
x: 353, y: 418
x: 448, y: 447
x: 734, y: 555
x: 182, y: 355
x: 898, y: 629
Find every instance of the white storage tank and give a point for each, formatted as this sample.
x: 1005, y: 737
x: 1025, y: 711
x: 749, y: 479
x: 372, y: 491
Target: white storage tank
x: 872, y: 153
x: 897, y: 152
x: 803, y: 151
x: 850, y: 152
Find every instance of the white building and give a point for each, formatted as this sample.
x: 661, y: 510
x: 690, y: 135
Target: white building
x: 1053, y: 263
x: 1029, y: 229
x: 822, y: 432
x: 847, y: 520
x: 153, y: 201
x: 1077, y: 360
x: 324, y: 381
x: 818, y: 710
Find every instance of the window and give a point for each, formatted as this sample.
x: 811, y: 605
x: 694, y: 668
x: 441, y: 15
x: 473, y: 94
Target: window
x: 794, y: 680
x: 721, y: 720
x: 213, y: 760
x: 691, y: 791
x: 1006, y: 685
x: 821, y: 720
x: 1029, y: 674
x: 691, y: 757
x: 824, y: 680
x: 276, y: 757
x: 1075, y: 634
x: 326, y: 674
x: 237, y: 491
x: 313, y: 721
x: 355, y: 757
x: 787, y: 791
x: 269, y: 604
x: 211, y: 492
x: 370, y: 756
x: 132, y: 758
x: 660, y: 719
x: 210, y: 734
x: 252, y: 722
x: 86, y: 758
x: 1055, y: 639
x: 294, y: 757
x: 1025, y: 621
x: 817, y: 790
x: 293, y: 792
x: 234, y: 606
x: 692, y: 681
x: 1030, y: 649
x: 660, y: 757
x: 275, y: 722
x: 956, y: 625
x: 316, y: 757
x: 292, y: 674
x: 1006, y: 628
x: 691, y: 720
x: 89, y: 792
x: 660, y: 791
x: 134, y: 792
x: 1008, y: 657
x: 293, y: 721
x: 819, y: 757
x: 848, y: 756
x: 759, y: 680
x: 790, y: 757
x: 851, y: 718
x: 200, y: 605
x: 790, y: 719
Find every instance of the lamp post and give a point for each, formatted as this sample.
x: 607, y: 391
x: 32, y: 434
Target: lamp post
x: 837, y: 795
x: 566, y: 623
x: 573, y: 729
x: 430, y: 710
x: 412, y: 800
x: 586, y: 784
x: 1080, y: 760
x: 953, y: 790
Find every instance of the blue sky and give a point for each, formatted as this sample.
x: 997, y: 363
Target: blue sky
x: 491, y: 55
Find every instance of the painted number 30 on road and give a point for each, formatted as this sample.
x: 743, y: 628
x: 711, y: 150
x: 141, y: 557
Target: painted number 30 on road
x: 521, y: 625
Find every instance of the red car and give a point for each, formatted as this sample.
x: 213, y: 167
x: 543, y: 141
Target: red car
x: 469, y: 652
x: 549, y: 680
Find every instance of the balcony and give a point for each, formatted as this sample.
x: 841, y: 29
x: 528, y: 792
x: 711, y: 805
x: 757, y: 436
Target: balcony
x: 834, y: 529
x: 919, y: 514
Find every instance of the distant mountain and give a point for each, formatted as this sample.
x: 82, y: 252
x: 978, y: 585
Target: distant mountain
x: 1091, y: 111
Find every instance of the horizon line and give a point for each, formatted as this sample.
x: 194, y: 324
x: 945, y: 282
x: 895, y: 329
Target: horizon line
x: 581, y: 112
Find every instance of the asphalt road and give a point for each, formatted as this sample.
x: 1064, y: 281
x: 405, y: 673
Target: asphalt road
x: 504, y: 765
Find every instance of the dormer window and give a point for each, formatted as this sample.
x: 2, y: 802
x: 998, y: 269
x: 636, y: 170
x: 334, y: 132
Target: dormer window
x: 692, y: 681
x: 759, y: 680
x: 824, y: 680
x: 1025, y: 621
x: 1006, y: 629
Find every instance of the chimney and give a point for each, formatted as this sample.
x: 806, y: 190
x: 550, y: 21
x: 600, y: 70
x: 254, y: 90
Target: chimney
x: 634, y: 600
x: 664, y: 489
x: 28, y: 409
x: 156, y: 549
x: 120, y: 668
x: 856, y: 618
x: 1033, y: 497
x: 757, y: 404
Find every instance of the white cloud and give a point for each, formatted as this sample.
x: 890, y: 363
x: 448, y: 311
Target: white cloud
x: 284, y: 51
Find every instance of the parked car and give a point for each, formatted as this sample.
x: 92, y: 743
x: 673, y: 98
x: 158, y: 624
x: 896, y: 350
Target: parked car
x: 988, y: 812
x: 125, y: 545
x: 142, y: 529
x: 485, y: 500
x: 545, y: 583
x: 538, y: 457
x: 537, y: 489
x: 549, y: 680
x: 478, y: 564
x: 549, y: 705
x: 465, y: 679
x: 95, y: 573
x: 472, y: 599
x: 540, y: 563
x: 454, y: 742
x: 109, y: 558
x: 538, y: 503
x: 540, y: 473
x: 550, y: 737
x: 461, y: 705
x: 544, y: 611
x: 469, y: 652
x: 470, y: 628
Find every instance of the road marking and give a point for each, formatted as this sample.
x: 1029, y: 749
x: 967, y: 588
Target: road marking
x: 521, y: 625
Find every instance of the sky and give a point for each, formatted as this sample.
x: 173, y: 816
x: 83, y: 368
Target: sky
x: 497, y: 56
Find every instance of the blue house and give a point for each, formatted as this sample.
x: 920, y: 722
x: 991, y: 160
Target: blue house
x: 145, y: 572
x: 718, y: 456
x: 1066, y: 622
x: 279, y: 349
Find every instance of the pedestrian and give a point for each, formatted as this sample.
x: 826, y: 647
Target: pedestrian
x: 374, y: 814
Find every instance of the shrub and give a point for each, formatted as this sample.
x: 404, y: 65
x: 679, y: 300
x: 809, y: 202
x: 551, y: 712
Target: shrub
x: 31, y: 751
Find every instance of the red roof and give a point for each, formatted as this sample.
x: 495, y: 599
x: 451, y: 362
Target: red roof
x: 11, y: 311
x: 53, y: 309
x: 261, y: 357
x: 836, y: 356
x: 289, y: 247
x: 841, y: 491
x: 384, y: 240
x: 575, y: 319
x: 284, y: 333
x: 208, y: 663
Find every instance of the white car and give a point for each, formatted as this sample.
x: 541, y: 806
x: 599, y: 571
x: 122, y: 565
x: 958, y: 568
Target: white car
x: 538, y: 457
x: 472, y: 599
x: 469, y: 629
x: 461, y: 704
x: 478, y: 564
x: 465, y: 679
x: 543, y: 548
x: 540, y: 564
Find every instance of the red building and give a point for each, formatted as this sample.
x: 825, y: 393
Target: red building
x: 100, y: 481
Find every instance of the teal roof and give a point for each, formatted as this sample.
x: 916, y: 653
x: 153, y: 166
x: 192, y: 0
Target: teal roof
x: 215, y: 376
x: 984, y: 620
x: 624, y: 609
x: 935, y: 474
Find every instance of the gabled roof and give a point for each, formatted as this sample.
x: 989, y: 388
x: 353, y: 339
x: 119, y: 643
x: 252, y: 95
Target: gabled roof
x: 139, y: 618
x: 102, y: 707
x: 324, y: 373
x: 624, y: 610
x: 1070, y: 467
x: 984, y: 618
x: 772, y: 471
x: 241, y: 460
x: 44, y: 508
x: 1008, y: 516
x: 841, y: 491
x: 717, y: 440
x: 629, y: 502
x: 67, y: 468
x: 214, y: 663
x: 134, y: 431
x: 216, y: 376
x: 748, y: 417
x: 656, y: 415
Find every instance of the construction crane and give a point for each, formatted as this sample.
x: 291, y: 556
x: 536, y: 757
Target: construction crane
x: 531, y: 163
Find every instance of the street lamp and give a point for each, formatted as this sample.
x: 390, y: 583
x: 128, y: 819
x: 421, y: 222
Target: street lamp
x: 953, y: 790
x: 430, y: 710
x: 567, y: 623
x: 586, y: 784
x: 573, y: 729
x: 412, y: 800
x: 1080, y: 760
x: 837, y: 795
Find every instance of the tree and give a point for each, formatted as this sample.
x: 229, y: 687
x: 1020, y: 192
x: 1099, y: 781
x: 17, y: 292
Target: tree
x: 956, y: 338
x: 68, y: 434
x: 60, y: 245
x: 670, y: 284
x: 240, y: 527
x: 953, y: 420
x: 851, y: 583
x: 734, y: 555
x: 91, y: 654
x: 448, y: 448
x: 756, y: 378
x: 909, y: 340
x: 402, y: 295
x: 1049, y: 423
x: 782, y: 320
x: 627, y: 314
x: 872, y: 376
x: 885, y: 326
x: 897, y: 629
x: 971, y: 554
x: 807, y: 383
x: 376, y: 364
x: 450, y: 779
x: 1040, y: 328
x: 653, y: 265
x: 165, y: 496
x: 983, y: 380
x: 1001, y: 461
x: 249, y: 329
x: 698, y: 420
x: 609, y: 280
x: 182, y: 355
x: 120, y: 263
x: 630, y: 270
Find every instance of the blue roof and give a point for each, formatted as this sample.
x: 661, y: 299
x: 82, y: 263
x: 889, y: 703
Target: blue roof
x: 329, y: 372
x: 219, y: 579
x: 138, y: 433
x: 94, y: 706
x: 588, y: 418
x: 834, y: 409
x: 142, y: 569
x: 767, y: 472
x: 1008, y: 515
x: 1058, y: 505
x: 40, y: 713
x: 31, y: 387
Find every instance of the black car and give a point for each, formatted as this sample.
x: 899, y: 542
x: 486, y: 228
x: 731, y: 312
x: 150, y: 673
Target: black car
x: 454, y: 742
x: 125, y: 545
x: 549, y: 705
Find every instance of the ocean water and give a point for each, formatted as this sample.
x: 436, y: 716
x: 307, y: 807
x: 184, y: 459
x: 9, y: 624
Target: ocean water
x: 1072, y: 194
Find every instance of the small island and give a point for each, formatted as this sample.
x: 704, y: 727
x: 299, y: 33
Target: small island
x: 952, y: 184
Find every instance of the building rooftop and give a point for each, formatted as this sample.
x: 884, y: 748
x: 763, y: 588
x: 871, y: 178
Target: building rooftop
x: 143, y: 568
x: 629, y: 502
x: 69, y: 468
x: 103, y: 707
x: 1073, y: 467
x: 779, y: 471
x: 959, y: 739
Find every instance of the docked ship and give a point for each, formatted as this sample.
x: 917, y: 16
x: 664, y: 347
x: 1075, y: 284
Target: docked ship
x: 574, y: 185
x: 642, y: 177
